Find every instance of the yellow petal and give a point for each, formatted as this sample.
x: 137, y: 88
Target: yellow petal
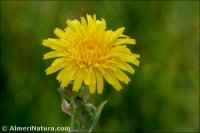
x: 131, y: 59
x: 117, y: 51
x: 107, y: 76
x: 75, y: 25
x: 124, y: 66
x: 83, y: 22
x: 92, y: 85
x: 115, y: 83
x: 117, y: 33
x: 70, y: 34
x: 99, y: 81
x: 135, y: 62
x: 54, y: 44
x: 56, y: 66
x: 119, y: 74
x: 103, y: 25
x: 87, y: 77
x: 60, y: 33
x: 54, y: 54
x: 58, y: 60
x: 90, y: 21
x: 61, y: 74
x: 94, y: 17
x: 123, y: 36
x: 69, y: 75
x: 78, y: 80
x: 136, y: 55
x: 124, y: 41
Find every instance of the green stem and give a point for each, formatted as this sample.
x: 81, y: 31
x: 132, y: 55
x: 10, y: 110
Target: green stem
x: 73, y: 122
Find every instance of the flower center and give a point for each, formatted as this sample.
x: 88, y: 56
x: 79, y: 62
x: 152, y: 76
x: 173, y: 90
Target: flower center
x: 90, y: 44
x: 88, y: 52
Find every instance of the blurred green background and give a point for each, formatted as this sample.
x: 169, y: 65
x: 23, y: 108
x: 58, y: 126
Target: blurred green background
x: 163, y: 94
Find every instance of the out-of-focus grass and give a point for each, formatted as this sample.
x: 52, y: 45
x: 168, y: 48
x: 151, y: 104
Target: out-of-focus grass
x: 163, y: 94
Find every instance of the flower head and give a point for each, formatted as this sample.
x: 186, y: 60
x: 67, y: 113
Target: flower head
x: 88, y: 53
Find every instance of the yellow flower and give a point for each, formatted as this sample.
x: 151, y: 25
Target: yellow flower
x: 88, y: 53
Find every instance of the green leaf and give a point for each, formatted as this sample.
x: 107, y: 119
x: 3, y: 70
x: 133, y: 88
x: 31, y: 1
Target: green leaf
x: 96, y: 115
x: 90, y: 125
x: 83, y: 114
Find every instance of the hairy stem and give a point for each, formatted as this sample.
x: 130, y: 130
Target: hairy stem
x: 73, y: 122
